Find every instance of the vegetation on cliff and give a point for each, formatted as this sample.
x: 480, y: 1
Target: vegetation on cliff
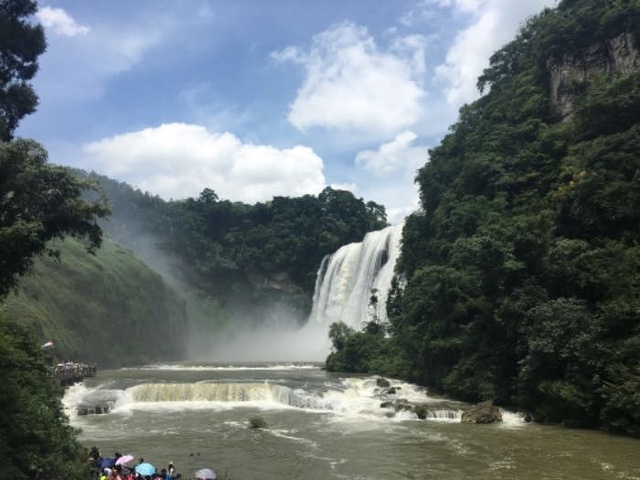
x: 238, y: 255
x: 522, y: 268
x: 108, y: 308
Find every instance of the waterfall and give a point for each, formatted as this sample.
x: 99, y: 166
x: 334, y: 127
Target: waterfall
x: 347, y: 279
x: 221, y: 392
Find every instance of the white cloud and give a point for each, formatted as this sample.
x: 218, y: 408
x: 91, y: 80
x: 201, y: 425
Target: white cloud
x: 352, y: 84
x: 76, y: 71
x: 179, y: 160
x: 399, y: 154
x: 60, y: 22
x: 494, y: 23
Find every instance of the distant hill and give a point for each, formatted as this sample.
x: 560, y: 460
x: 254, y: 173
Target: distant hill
x: 108, y: 308
x: 238, y: 263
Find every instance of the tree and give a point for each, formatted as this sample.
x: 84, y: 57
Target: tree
x: 21, y: 42
x: 39, y: 202
x: 36, y: 441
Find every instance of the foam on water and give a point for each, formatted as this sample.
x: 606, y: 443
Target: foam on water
x: 512, y: 419
x: 79, y: 395
x: 352, y: 399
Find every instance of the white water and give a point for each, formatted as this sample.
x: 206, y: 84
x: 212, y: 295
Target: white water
x: 352, y: 399
x: 347, y: 279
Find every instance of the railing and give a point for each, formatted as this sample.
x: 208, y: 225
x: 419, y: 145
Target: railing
x: 71, y: 372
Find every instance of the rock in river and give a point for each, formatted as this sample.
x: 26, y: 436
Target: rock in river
x: 484, y: 412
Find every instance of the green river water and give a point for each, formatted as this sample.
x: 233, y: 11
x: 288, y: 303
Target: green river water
x: 322, y: 426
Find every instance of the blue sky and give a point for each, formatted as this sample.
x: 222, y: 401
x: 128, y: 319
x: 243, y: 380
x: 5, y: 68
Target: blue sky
x: 256, y: 98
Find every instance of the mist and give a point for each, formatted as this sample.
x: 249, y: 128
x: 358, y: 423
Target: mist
x: 272, y: 333
x: 269, y: 343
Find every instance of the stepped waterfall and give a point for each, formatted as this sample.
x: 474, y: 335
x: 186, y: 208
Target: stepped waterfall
x: 347, y: 280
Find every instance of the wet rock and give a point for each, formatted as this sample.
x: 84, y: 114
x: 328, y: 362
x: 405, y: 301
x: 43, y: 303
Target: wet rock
x: 421, y: 411
x: 484, y: 412
x: 399, y: 405
x: 91, y: 409
x: 382, y: 383
x: 257, y: 422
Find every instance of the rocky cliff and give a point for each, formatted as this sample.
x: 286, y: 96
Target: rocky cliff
x: 569, y: 75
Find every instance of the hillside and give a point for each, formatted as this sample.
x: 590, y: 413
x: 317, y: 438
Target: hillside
x: 235, y: 262
x: 519, y: 280
x: 109, y: 308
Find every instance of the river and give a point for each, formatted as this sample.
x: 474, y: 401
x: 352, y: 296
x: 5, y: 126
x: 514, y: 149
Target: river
x: 322, y: 426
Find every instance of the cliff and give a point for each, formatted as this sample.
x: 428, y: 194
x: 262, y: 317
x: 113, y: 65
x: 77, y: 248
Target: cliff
x: 570, y: 75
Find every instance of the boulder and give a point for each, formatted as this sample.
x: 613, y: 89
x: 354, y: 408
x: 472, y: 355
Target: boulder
x: 399, y: 405
x: 383, y: 383
x: 421, y: 411
x: 484, y: 412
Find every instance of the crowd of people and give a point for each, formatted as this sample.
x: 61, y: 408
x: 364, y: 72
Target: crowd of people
x: 121, y: 467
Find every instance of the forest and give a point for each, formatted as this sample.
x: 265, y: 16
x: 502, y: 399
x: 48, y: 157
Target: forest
x: 519, y: 277
x: 241, y: 257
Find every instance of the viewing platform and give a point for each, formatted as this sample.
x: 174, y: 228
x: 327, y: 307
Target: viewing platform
x: 71, y: 372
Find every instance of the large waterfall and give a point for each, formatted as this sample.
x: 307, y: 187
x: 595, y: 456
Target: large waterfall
x: 347, y: 280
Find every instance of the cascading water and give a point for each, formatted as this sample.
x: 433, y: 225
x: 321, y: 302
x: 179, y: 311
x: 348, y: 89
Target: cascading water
x: 348, y: 278
x: 348, y: 399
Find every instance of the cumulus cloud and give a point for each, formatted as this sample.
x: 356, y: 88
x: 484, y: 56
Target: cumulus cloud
x: 179, y: 160
x: 399, y: 154
x: 494, y: 22
x: 353, y: 84
x: 60, y: 22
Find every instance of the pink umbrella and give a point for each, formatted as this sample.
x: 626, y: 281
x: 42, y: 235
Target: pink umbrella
x: 124, y: 459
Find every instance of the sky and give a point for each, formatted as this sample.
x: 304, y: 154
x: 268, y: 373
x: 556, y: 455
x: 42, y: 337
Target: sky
x: 258, y: 98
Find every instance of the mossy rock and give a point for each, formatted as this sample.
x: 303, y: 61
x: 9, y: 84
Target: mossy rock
x: 256, y: 421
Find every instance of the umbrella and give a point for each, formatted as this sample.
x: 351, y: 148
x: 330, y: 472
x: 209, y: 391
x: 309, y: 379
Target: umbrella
x: 124, y: 459
x: 206, y: 474
x: 107, y: 463
x: 145, y: 469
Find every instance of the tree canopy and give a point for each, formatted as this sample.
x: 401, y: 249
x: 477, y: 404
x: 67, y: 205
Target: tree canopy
x: 39, y: 202
x: 223, y: 247
x: 21, y: 43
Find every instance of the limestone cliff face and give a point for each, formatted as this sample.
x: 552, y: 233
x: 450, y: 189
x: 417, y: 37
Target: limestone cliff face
x: 276, y: 281
x: 618, y: 56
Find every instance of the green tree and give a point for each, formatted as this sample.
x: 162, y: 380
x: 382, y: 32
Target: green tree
x: 21, y: 42
x: 36, y: 441
x: 39, y: 202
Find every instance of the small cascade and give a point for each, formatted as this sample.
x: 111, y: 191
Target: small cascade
x: 444, y: 415
x: 222, y: 392
x: 347, y: 279
x: 350, y: 399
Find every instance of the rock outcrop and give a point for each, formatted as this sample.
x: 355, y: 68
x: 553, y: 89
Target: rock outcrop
x: 437, y: 409
x: 485, y: 412
x: 568, y: 77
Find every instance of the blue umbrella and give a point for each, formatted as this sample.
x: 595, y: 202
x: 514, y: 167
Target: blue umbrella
x: 145, y: 469
x: 107, y: 463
